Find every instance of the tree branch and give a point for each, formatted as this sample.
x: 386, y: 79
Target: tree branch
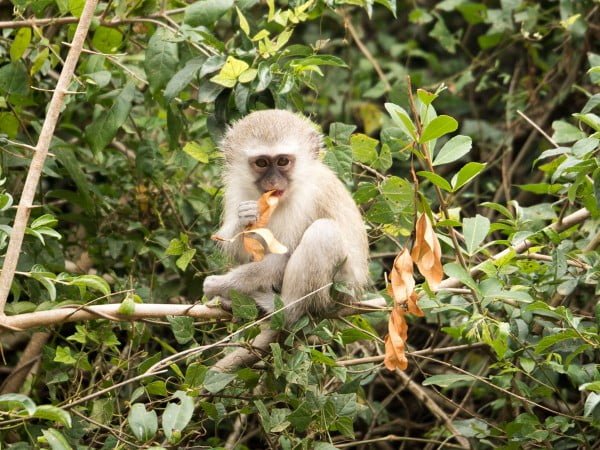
x: 26, y: 321
x: 41, y: 151
x: 35, y: 22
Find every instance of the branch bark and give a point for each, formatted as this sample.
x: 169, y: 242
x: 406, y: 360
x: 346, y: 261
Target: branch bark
x: 27, y: 361
x: 41, y: 151
x: 21, y: 322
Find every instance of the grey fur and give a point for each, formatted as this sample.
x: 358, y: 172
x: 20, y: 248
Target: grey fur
x: 316, y: 219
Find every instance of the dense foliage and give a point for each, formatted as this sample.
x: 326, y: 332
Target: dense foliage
x: 483, y: 115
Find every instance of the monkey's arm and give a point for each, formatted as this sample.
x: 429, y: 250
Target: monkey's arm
x: 234, y: 222
x: 262, y: 276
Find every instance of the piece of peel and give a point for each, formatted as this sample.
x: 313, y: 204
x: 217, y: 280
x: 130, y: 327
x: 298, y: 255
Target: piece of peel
x: 266, y: 205
x: 255, y: 247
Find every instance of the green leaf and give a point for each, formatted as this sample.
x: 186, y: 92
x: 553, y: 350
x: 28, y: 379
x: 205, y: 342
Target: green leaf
x: 63, y: 355
x: 217, y: 381
x: 107, y: 39
x: 91, y: 281
x: 425, y: 96
x: 548, y: 341
x: 340, y: 132
x: 127, y: 306
x: 199, y: 152
x: 175, y: 248
x: 76, y: 7
x: 46, y: 220
x: 243, y: 306
x: 590, y: 119
x: 436, y: 180
x: 565, y: 132
x: 439, y: 126
x: 591, y: 403
x: 44, y: 281
x: 243, y: 22
x: 142, y: 423
x: 541, y: 188
x: 339, y: 159
x: 364, y: 148
x: 591, y: 104
x: 475, y: 230
x: 10, y: 402
x: 466, y: 174
x: 398, y: 190
x: 401, y: 118
x: 380, y: 212
x: 6, y: 201
x: 9, y: 124
x: 452, y: 150
x: 248, y: 75
x: 20, y: 43
x: 321, y: 60
x: 206, y: 12
x: 183, y: 78
x: 593, y: 386
x: 230, y: 72
x: 442, y: 34
x: 445, y: 381
x: 323, y: 446
x: 301, y: 417
x: 103, y: 129
x: 278, y: 319
x: 182, y: 328
x: 14, y: 79
x: 455, y: 270
x: 186, y: 257
x: 161, y: 59
x: 384, y: 159
x: 39, y: 61
x: 53, y: 413
x: 55, y: 439
x: 177, y: 416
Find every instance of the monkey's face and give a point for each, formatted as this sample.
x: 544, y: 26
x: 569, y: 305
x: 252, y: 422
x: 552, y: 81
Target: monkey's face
x: 272, y: 173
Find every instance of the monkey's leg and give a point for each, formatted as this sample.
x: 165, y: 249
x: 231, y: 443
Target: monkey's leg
x: 318, y: 259
x: 261, y: 276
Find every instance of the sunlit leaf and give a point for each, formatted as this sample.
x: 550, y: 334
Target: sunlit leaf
x: 438, y: 127
x: 452, y: 150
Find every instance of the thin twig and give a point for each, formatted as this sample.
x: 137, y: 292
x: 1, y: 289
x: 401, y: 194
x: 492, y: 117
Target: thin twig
x: 538, y: 128
x: 433, y: 407
x: 365, y: 51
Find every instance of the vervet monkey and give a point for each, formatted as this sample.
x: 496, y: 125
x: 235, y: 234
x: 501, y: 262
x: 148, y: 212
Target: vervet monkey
x: 316, y: 218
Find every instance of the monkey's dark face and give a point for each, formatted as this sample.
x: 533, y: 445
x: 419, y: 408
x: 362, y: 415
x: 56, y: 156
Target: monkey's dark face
x: 272, y: 172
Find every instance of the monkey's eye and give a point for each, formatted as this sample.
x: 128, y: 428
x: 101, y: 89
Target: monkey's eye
x: 283, y: 161
x: 261, y: 162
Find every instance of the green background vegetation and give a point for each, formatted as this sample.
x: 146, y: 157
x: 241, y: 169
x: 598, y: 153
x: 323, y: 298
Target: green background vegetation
x: 131, y: 195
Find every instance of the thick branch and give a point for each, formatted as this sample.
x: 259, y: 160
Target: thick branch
x: 110, y: 312
x: 36, y: 22
x: 41, y: 151
x: 27, y: 361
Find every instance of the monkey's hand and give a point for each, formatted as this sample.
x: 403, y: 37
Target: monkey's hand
x: 215, y: 285
x: 248, y: 213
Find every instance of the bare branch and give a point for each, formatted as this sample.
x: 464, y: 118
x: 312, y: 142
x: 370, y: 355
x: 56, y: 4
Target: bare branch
x: 110, y: 312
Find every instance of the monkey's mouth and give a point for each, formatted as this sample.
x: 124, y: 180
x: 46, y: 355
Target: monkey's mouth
x: 278, y: 193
